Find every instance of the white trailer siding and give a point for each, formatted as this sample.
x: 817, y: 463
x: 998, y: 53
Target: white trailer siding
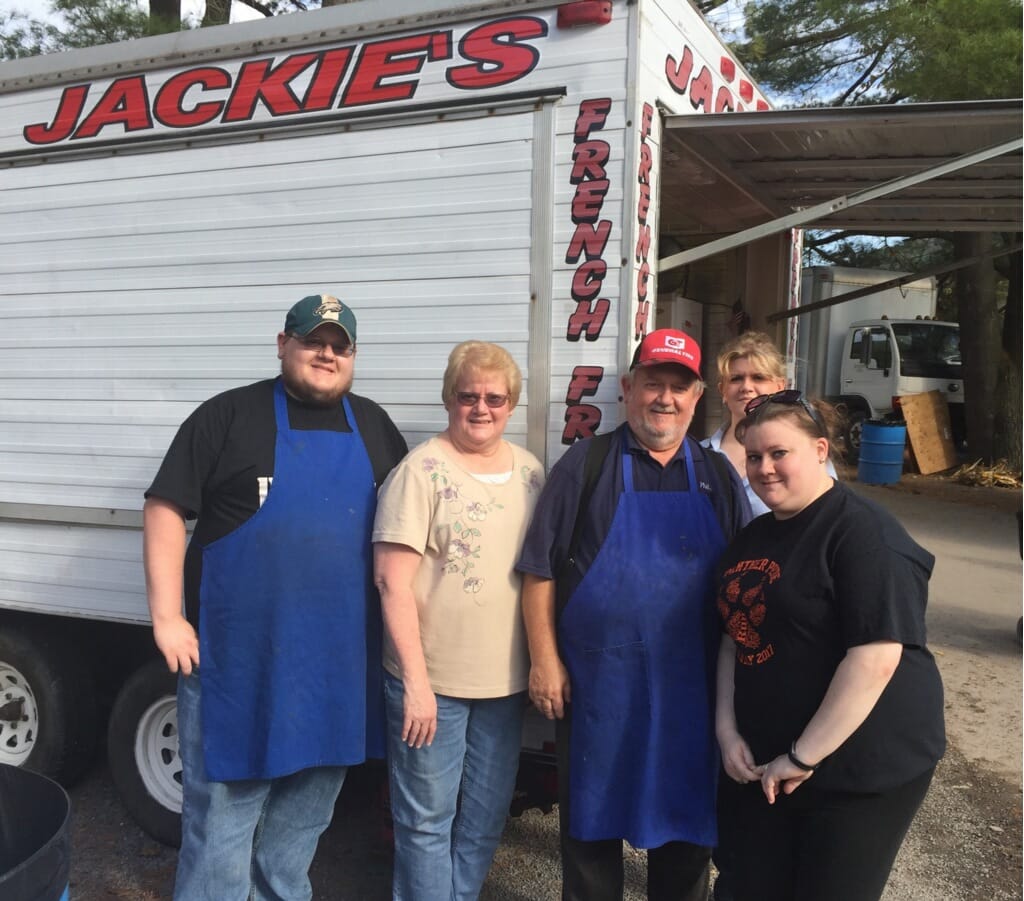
x: 143, y: 290
x: 137, y: 286
x: 74, y: 570
x: 590, y: 224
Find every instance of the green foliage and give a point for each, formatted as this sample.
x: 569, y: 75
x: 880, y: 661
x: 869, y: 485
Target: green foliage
x: 858, y: 51
x: 960, y: 50
x: 22, y: 36
x: 898, y: 254
x: 100, y: 21
x: 91, y: 22
x: 816, y: 49
x: 84, y: 25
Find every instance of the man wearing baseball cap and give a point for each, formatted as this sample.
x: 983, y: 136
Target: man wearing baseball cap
x: 619, y: 610
x: 278, y: 647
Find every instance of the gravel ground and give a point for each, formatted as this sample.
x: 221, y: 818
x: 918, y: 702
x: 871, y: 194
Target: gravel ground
x: 965, y: 844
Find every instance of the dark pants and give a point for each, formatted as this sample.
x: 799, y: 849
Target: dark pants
x: 593, y: 871
x: 813, y: 844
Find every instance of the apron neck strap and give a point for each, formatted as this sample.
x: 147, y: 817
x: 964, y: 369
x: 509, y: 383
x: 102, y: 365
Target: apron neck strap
x: 627, y: 469
x: 281, y: 409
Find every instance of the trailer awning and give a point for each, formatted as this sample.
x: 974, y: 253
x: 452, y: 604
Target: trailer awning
x: 731, y: 178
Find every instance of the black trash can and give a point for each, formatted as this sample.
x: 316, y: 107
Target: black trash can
x: 35, y: 838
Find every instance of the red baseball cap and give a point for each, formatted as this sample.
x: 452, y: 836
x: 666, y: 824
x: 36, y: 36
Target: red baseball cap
x: 668, y: 345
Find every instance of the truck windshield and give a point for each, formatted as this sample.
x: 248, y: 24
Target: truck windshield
x: 928, y: 349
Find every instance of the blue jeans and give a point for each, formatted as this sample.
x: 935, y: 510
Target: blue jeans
x: 449, y: 801
x: 251, y: 840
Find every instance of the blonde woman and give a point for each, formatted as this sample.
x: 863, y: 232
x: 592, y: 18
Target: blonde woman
x: 749, y: 366
x: 450, y: 522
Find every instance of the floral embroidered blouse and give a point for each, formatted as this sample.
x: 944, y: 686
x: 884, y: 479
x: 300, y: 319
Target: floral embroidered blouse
x: 469, y: 529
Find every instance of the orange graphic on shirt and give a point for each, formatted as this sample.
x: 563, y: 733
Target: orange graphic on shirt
x: 741, y: 600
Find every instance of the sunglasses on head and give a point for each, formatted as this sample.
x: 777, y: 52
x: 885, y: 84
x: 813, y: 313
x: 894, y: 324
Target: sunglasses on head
x: 788, y: 397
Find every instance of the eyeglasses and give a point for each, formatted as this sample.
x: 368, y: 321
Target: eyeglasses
x: 471, y: 399
x: 316, y: 345
x: 787, y: 397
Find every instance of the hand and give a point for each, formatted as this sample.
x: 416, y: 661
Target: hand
x: 549, y: 688
x: 737, y: 759
x: 782, y: 774
x: 177, y: 641
x: 419, y: 725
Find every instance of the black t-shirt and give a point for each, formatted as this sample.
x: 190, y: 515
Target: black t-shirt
x: 220, y: 464
x: 794, y: 595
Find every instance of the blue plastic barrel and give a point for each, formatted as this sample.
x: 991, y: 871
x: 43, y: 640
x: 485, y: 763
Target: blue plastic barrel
x: 35, y: 841
x: 881, y: 452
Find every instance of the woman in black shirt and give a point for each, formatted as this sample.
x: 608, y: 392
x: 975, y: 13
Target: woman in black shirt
x: 830, y: 712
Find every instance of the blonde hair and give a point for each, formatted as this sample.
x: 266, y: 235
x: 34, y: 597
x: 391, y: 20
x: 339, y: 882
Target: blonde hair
x: 756, y: 347
x: 485, y: 358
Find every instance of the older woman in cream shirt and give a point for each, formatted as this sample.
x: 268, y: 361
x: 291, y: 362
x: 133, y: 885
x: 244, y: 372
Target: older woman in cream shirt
x: 450, y: 522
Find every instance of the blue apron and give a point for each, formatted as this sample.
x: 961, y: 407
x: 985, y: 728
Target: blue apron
x: 289, y: 641
x: 637, y: 638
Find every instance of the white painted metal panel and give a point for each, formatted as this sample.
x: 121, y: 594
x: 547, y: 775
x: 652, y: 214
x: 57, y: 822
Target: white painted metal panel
x: 134, y: 287
x: 71, y: 569
x: 596, y: 71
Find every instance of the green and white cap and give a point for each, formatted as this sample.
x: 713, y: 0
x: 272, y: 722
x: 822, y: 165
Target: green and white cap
x: 313, y: 311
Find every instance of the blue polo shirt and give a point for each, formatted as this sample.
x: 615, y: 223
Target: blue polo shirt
x: 547, y: 539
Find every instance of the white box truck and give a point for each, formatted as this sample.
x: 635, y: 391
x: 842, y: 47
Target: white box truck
x: 866, y: 352
x: 450, y: 169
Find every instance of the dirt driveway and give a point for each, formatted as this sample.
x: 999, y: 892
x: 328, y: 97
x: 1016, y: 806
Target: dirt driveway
x: 965, y: 844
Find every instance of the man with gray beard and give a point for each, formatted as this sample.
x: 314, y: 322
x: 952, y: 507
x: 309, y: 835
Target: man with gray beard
x: 278, y: 645
x: 618, y: 603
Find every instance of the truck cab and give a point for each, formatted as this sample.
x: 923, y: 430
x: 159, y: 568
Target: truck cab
x: 884, y: 359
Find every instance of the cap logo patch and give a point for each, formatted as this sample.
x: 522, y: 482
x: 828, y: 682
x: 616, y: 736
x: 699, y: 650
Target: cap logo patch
x: 330, y: 308
x: 677, y: 343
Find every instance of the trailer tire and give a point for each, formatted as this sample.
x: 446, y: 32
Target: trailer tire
x: 47, y: 704
x: 142, y: 748
x: 852, y: 434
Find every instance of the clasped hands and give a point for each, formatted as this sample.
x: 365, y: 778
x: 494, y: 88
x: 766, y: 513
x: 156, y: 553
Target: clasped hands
x: 780, y: 774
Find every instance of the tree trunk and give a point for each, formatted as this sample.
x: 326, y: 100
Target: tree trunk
x: 1008, y: 424
x: 218, y: 12
x: 164, y: 16
x: 980, y: 343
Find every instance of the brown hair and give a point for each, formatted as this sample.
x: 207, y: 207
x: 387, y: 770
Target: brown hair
x: 481, y: 357
x: 825, y: 426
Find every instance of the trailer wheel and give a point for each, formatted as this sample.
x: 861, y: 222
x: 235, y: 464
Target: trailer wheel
x: 142, y: 747
x: 47, y: 705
